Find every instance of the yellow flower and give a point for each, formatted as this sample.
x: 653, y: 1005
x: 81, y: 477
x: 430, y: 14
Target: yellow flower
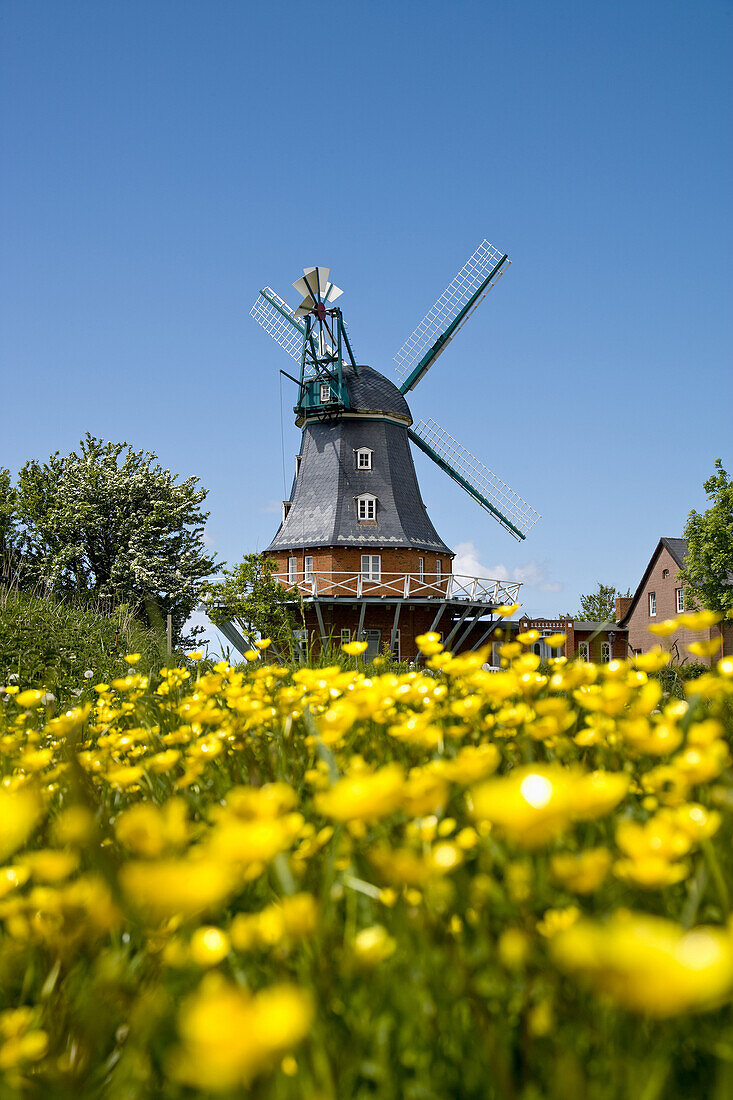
x: 652, y: 661
x: 263, y: 643
x: 209, y: 946
x: 74, y: 826
x: 132, y: 658
x: 555, y: 640
x: 648, y: 964
x: 664, y: 629
x: 196, y: 655
x: 19, y: 813
x: 47, y: 865
x: 705, y: 649
x: 125, y: 776
x: 513, y: 948
x: 557, y: 920
x: 507, y: 610
x: 429, y: 644
x: 367, y: 796
x: 699, y: 620
x: 30, y: 698
x: 164, y: 888
x: 354, y: 649
x: 373, y: 945
x: 228, y: 1035
x: 582, y: 873
x: 531, y: 804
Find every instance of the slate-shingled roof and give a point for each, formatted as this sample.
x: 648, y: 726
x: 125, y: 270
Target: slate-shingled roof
x: 322, y: 508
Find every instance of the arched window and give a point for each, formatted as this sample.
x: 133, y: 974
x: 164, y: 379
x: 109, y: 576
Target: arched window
x: 364, y: 458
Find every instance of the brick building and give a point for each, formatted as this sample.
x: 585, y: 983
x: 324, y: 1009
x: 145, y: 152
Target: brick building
x: 585, y: 641
x: 660, y: 595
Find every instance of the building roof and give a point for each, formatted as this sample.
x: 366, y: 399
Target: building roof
x: 677, y: 548
x: 322, y: 508
x: 371, y: 391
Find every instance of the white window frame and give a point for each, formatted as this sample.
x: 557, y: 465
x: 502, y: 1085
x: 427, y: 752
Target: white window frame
x: 364, y: 458
x: 366, y: 508
x: 371, y: 567
x: 298, y: 460
x: 308, y: 567
x: 583, y: 651
x: 345, y: 635
x: 396, y: 647
x: 438, y: 571
x: 679, y: 600
x: 292, y: 570
x: 325, y: 393
x: 606, y: 653
x: 286, y: 508
x: 421, y: 569
x: 652, y: 604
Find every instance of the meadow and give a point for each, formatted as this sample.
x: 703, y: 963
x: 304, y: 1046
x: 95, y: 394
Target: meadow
x: 360, y: 881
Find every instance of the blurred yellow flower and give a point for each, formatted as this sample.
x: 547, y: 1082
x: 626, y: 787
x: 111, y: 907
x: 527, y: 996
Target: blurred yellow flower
x: 373, y: 945
x: 705, y: 649
x: 209, y: 946
x: 664, y: 628
x: 354, y: 649
x: 648, y: 964
x: 19, y: 813
x: 368, y: 796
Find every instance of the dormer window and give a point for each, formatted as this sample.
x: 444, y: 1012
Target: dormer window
x: 366, y: 508
x: 325, y: 393
x: 364, y: 458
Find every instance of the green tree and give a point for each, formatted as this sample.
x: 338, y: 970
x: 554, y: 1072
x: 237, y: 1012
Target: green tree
x: 110, y: 523
x: 249, y: 595
x: 708, y: 567
x: 8, y: 525
x: 600, y: 606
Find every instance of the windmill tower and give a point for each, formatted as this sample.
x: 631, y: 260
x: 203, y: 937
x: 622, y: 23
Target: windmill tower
x: 356, y: 539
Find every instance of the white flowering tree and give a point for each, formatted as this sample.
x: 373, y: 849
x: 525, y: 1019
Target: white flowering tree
x: 108, y: 522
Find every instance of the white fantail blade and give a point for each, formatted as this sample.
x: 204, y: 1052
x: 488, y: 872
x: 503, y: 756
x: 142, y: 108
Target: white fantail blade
x: 305, y: 306
x: 447, y: 307
x: 486, y: 488
x: 279, y: 321
x: 333, y: 293
x: 313, y: 282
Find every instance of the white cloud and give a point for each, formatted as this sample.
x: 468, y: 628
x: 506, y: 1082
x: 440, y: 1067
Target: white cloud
x: 532, y: 573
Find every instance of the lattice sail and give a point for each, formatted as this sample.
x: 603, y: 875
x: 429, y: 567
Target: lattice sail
x: 279, y: 321
x: 448, y: 306
x: 513, y: 513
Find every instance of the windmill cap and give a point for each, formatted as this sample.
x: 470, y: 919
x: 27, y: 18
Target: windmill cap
x: 371, y: 392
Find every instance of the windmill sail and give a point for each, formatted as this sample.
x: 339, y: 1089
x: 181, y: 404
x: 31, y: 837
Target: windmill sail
x: 513, y: 513
x: 279, y: 321
x: 449, y: 313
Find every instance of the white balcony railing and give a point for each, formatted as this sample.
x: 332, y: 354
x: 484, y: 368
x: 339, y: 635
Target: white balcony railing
x: 404, y: 586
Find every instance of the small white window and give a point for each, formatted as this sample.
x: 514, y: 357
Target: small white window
x: 345, y: 635
x: 325, y: 393
x: 286, y: 509
x: 665, y: 574
x: 438, y: 570
x: 679, y: 600
x: 371, y: 567
x: 308, y: 571
x: 605, y: 652
x: 364, y: 458
x: 366, y: 507
x: 421, y: 568
x: 298, y: 460
x: 396, y: 646
x: 583, y: 651
x: 292, y: 570
x: 652, y: 603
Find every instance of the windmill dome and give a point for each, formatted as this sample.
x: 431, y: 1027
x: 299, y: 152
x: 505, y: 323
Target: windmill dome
x: 371, y: 392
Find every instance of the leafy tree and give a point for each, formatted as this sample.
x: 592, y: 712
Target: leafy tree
x: 250, y: 596
x: 8, y: 525
x: 110, y: 523
x: 600, y: 606
x: 708, y: 567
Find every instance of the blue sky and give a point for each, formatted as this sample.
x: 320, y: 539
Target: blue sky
x: 164, y: 160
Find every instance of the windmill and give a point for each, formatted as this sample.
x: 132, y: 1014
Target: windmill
x: 355, y: 488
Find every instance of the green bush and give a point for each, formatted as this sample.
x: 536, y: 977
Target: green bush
x: 49, y: 644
